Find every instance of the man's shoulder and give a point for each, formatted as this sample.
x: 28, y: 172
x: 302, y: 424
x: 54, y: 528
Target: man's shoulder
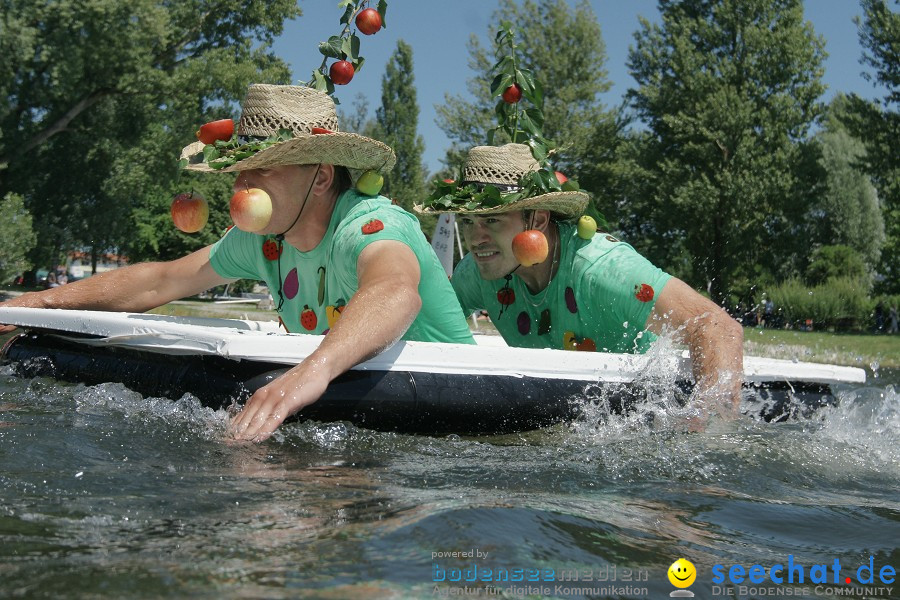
x: 360, y: 207
x: 601, y: 247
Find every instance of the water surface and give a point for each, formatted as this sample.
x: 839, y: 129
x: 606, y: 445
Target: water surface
x: 104, y: 493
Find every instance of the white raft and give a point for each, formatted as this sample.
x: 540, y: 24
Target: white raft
x: 414, y: 387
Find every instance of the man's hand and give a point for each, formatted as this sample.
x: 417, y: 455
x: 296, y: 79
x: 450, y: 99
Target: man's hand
x: 271, y: 404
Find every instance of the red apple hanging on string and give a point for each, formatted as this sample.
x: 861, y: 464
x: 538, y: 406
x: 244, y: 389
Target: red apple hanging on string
x: 530, y: 247
x: 251, y: 209
x: 190, y: 212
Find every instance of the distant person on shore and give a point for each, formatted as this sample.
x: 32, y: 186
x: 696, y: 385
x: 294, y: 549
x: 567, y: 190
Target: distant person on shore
x: 879, y: 317
x: 343, y: 261
x: 768, y: 313
x: 51, y: 280
x: 590, y: 292
x: 892, y: 327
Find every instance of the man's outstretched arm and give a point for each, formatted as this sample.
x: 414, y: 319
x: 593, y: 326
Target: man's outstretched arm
x: 135, y: 288
x: 714, y: 339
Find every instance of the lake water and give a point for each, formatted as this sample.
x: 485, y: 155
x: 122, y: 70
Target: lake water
x: 106, y: 494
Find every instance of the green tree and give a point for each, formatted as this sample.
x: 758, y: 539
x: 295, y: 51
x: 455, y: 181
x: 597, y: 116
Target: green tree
x: 564, y: 49
x: 356, y: 119
x: 836, y: 261
x: 16, y: 237
x: 877, y: 125
x: 101, y: 95
x: 846, y: 211
x: 397, y: 122
x: 728, y: 90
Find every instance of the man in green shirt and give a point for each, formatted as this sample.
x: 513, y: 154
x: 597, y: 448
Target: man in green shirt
x: 592, y: 292
x: 344, y: 262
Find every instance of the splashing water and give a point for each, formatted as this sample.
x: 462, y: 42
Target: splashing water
x: 109, y: 493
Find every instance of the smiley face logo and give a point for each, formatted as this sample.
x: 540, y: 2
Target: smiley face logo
x: 682, y: 573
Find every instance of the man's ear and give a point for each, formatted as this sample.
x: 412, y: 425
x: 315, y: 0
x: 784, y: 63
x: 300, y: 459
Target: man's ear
x: 541, y: 220
x: 324, y: 179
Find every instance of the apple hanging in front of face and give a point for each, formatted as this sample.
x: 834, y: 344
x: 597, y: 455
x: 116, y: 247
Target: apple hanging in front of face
x: 251, y: 209
x: 530, y: 247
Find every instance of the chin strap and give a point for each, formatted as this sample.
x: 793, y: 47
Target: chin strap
x: 280, y: 238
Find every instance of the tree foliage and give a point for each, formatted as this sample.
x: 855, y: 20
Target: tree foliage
x: 831, y: 262
x: 728, y: 90
x: 396, y: 124
x: 846, y: 211
x: 555, y: 43
x: 877, y: 125
x: 16, y: 237
x: 100, y: 97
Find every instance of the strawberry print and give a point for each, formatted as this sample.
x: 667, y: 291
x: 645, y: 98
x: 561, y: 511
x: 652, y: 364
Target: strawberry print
x: 643, y: 292
x: 308, y: 318
x: 271, y: 250
x: 586, y: 345
x: 373, y: 226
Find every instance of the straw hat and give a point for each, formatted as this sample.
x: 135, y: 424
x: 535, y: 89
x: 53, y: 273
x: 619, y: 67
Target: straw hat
x: 299, y: 109
x: 503, y: 167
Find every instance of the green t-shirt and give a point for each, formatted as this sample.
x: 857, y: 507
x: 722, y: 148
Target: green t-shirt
x: 317, y: 284
x: 599, y: 299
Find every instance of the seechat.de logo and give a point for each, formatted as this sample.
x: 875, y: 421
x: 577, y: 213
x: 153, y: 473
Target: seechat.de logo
x: 682, y: 574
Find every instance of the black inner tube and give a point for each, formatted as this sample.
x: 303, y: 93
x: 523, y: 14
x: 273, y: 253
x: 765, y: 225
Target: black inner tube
x: 400, y: 401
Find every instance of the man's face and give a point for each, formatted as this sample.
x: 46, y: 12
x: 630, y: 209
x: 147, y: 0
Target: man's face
x: 489, y: 238
x: 286, y: 185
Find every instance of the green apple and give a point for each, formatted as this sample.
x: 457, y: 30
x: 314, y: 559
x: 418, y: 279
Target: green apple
x: 587, y: 227
x: 370, y: 183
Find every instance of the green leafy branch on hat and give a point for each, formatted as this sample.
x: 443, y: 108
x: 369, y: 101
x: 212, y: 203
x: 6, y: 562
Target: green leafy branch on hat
x: 344, y: 47
x: 224, y: 153
x: 511, y: 85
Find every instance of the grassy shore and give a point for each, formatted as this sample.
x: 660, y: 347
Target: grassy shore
x: 852, y: 349
x: 197, y: 308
